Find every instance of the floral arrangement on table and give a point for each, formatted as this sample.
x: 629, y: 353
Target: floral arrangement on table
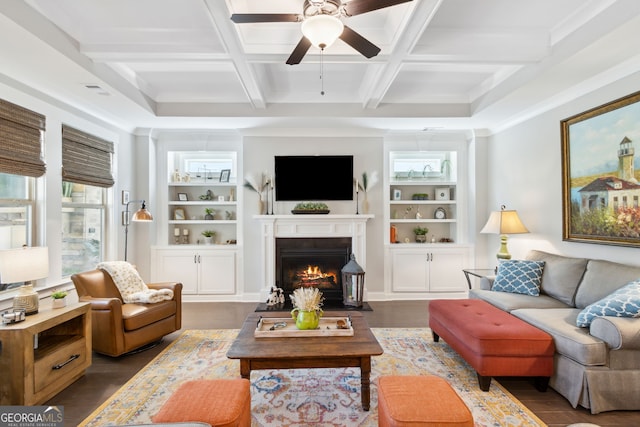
x: 307, y: 299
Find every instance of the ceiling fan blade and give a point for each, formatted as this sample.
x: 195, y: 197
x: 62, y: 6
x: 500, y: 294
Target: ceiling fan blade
x: 249, y: 18
x: 358, y: 7
x: 299, y: 52
x: 359, y: 43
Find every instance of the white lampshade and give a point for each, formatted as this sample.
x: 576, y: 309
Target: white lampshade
x: 504, y: 222
x: 24, y: 264
x: 322, y: 30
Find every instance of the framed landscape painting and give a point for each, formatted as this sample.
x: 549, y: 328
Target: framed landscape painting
x: 601, y: 174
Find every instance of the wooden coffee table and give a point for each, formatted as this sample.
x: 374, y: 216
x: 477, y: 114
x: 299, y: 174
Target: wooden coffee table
x: 308, y: 352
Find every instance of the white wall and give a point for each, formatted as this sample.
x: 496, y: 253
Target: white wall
x: 525, y: 173
x: 259, y: 155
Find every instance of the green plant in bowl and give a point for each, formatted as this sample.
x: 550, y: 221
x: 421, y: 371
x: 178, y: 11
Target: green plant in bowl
x: 208, y: 233
x: 58, y: 294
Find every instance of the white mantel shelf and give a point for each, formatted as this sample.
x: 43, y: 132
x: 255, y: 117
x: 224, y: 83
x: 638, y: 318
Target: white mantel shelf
x: 306, y: 226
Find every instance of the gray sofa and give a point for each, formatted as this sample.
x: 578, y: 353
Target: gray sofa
x: 596, y: 367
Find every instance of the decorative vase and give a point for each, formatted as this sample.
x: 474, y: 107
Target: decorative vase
x: 59, y: 302
x: 208, y: 217
x: 260, y: 205
x: 306, y: 319
x: 421, y: 238
x: 27, y: 299
x: 365, y: 204
x: 208, y: 240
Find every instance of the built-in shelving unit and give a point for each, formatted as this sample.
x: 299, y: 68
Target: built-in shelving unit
x: 424, y: 188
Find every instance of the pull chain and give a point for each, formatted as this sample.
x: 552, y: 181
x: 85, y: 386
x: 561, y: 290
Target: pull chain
x: 322, y: 70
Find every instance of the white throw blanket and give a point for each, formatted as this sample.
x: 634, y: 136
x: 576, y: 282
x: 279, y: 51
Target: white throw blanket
x: 130, y: 284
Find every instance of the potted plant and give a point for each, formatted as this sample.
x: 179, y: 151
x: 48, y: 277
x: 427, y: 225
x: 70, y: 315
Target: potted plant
x: 421, y: 234
x: 59, y: 299
x: 208, y: 214
x: 306, y: 307
x: 208, y: 236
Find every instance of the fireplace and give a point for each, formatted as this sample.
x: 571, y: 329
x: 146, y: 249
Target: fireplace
x: 312, y: 262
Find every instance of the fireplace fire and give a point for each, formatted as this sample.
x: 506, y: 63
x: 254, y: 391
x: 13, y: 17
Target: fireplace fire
x: 312, y: 262
x: 313, y: 276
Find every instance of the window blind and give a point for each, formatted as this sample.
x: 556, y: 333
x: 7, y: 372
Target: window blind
x: 86, y: 159
x: 21, y: 139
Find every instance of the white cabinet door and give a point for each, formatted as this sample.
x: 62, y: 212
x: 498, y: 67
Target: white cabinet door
x: 410, y: 271
x: 217, y: 272
x: 178, y: 266
x: 446, y: 270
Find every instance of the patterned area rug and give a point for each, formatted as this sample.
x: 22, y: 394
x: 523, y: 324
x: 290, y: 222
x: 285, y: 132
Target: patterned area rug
x: 307, y: 397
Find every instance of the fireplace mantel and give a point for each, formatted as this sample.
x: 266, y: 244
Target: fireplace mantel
x: 300, y: 226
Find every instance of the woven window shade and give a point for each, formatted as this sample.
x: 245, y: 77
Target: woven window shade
x: 21, y: 139
x: 86, y: 159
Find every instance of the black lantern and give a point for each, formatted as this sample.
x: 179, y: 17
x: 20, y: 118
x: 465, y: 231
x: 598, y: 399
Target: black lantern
x: 352, y: 283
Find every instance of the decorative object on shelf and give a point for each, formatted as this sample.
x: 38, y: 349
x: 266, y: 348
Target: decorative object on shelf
x: 208, y: 236
x: 207, y: 196
x: 440, y: 213
x: 221, y: 198
x: 407, y: 211
x: 504, y: 222
x: 367, y: 183
x: 420, y: 196
x: 258, y: 185
x: 24, y: 265
x: 224, y: 175
x: 141, y: 215
x: 228, y: 215
x: 420, y: 234
x: 352, y: 283
x: 445, y: 168
x: 185, y: 236
x: 176, y: 235
x: 310, y: 208
x: 59, y: 299
x: 176, y: 177
x: 443, y: 194
x: 397, y: 194
x: 307, y: 307
x: 183, y: 197
x: 209, y: 214
x: 393, y: 237
x: 178, y: 214
x: 418, y: 214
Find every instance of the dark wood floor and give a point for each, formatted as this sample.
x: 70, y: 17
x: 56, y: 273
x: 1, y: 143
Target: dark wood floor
x: 106, y: 375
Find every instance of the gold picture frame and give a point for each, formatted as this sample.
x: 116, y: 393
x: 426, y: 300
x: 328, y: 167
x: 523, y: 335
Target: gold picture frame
x: 179, y: 214
x: 600, y: 186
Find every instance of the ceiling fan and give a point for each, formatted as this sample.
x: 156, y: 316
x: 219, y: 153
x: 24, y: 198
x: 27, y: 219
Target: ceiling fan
x: 321, y: 24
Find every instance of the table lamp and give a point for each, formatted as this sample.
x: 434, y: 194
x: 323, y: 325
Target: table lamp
x: 24, y: 265
x: 504, y: 222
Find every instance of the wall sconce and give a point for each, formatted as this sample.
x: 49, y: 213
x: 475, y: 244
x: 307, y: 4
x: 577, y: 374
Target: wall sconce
x: 352, y: 283
x: 504, y: 222
x: 141, y: 215
x: 25, y: 265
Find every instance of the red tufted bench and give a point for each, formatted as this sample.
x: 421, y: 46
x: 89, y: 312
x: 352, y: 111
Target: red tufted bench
x: 492, y: 341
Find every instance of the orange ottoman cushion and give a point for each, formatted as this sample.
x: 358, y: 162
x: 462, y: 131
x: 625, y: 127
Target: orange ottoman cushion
x: 424, y: 400
x: 220, y: 402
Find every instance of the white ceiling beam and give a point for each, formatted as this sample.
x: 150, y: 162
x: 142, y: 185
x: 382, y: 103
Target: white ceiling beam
x: 222, y: 22
x: 380, y: 84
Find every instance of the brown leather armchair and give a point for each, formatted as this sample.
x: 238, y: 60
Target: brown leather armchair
x: 119, y: 328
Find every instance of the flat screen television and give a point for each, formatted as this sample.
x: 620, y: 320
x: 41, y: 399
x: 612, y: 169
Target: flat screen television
x: 300, y: 178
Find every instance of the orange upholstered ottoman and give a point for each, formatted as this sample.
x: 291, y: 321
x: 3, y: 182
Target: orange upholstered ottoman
x: 424, y: 400
x: 494, y: 342
x: 220, y: 402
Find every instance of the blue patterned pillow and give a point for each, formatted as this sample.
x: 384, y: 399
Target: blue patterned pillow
x: 519, y: 277
x: 624, y: 302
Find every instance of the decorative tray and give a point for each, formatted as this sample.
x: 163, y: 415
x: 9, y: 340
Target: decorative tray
x: 309, y: 211
x: 286, y: 327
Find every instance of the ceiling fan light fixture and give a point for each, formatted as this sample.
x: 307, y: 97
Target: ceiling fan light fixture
x: 322, y: 30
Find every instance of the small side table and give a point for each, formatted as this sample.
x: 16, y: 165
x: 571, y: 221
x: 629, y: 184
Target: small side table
x: 477, y: 272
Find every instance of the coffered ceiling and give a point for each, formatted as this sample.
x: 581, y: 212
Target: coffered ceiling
x: 447, y: 64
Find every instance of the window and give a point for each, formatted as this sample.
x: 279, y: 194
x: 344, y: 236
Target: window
x: 86, y: 173
x: 16, y: 214
x: 83, y: 230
